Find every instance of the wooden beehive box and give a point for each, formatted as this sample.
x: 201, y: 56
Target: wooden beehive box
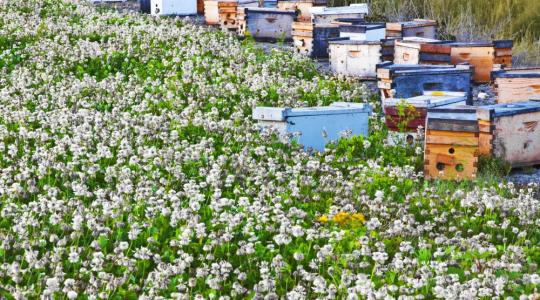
x: 314, y: 127
x: 518, y: 84
x: 451, y: 143
x: 355, y: 58
x: 482, y: 56
x: 387, y: 49
x: 363, y: 32
x: 416, y: 51
x: 313, y: 40
x: 266, y: 24
x: 303, y: 7
x: 406, y: 81
x: 416, y: 28
x: 321, y: 15
x: 200, y: 7
x: 511, y: 131
x: 410, y: 113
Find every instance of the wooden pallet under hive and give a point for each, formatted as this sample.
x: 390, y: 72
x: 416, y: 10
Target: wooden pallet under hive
x: 451, y: 143
x: 517, y: 84
x: 406, y: 81
x: 511, y: 132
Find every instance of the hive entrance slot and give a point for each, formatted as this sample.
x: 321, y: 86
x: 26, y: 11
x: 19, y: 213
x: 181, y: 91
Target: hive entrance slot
x: 460, y: 168
x: 440, y: 166
x: 451, y: 150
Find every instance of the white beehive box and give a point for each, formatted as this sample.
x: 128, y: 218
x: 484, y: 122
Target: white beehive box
x: 314, y: 127
x: 173, y: 7
x: 355, y: 58
x: 363, y: 32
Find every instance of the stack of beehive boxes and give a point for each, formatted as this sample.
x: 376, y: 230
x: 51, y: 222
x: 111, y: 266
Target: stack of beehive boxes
x: 405, y: 81
x: 397, y: 31
x: 224, y: 12
x: 311, y: 36
x: 516, y: 84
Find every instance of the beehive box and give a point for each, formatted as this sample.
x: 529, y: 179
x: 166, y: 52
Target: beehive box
x: 173, y: 7
x: 200, y: 7
x: 410, y: 113
x: 416, y: 51
x: 363, y: 32
x: 483, y: 56
x: 514, y: 85
x: 355, y: 58
x: 451, y: 143
x: 303, y: 7
x: 314, y: 127
x: 321, y: 15
x: 313, y: 40
x: 416, y: 28
x: 224, y: 12
x: 269, y: 3
x: 387, y: 49
x: 511, y: 131
x: 266, y: 24
x: 406, y: 81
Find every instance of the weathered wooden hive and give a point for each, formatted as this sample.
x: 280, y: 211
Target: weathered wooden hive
x: 511, y: 131
x: 406, y: 118
x: 363, y: 32
x: 313, y: 40
x: 224, y: 12
x: 406, y: 81
x: 409, y: 114
x: 311, y: 37
x: 397, y: 31
x: 314, y: 127
x: 415, y: 51
x: 517, y: 84
x: 451, y: 143
x: 416, y: 28
x: 483, y: 56
x: 266, y: 24
x: 200, y: 7
x: 355, y: 58
x: 303, y: 7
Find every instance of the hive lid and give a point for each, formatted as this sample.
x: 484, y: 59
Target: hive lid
x: 336, y: 108
x: 361, y: 28
x: 270, y: 10
x: 360, y: 8
x: 430, y: 99
x: 500, y: 44
x: 412, y: 24
x: 348, y: 41
x: 489, y: 112
x: 531, y: 72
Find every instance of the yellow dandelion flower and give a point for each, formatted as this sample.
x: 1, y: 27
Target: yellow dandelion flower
x: 323, y: 219
x: 359, y: 217
x: 341, y: 217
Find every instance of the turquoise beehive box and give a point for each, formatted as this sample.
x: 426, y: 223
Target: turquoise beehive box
x: 314, y: 127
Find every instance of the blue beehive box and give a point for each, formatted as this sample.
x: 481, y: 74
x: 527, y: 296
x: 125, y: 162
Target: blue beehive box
x: 314, y: 127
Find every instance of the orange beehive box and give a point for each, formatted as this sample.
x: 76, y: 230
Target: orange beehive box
x: 451, y: 143
x: 516, y: 84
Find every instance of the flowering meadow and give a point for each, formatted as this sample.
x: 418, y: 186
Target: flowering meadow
x: 130, y: 168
